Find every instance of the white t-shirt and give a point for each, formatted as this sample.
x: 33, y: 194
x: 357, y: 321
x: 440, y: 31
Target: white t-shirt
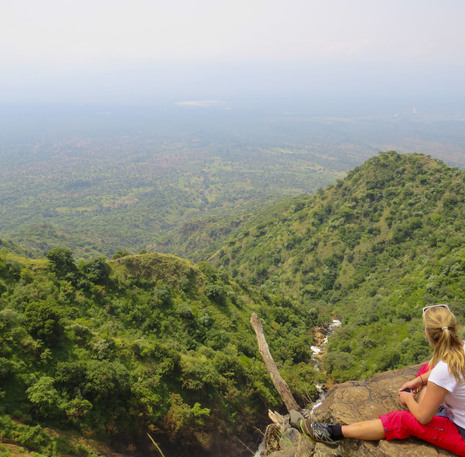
x: 454, y: 400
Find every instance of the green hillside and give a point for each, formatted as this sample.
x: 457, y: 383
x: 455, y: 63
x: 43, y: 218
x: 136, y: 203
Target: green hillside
x: 374, y: 248
x: 151, y: 343
x: 142, y: 344
x: 199, y: 239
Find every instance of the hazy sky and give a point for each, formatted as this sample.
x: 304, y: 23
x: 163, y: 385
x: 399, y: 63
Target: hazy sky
x: 57, y: 48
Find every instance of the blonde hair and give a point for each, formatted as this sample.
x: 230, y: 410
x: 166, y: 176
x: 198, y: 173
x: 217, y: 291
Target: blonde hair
x: 441, y: 328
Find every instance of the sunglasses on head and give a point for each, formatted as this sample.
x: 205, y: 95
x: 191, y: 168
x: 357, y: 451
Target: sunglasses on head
x: 435, y: 306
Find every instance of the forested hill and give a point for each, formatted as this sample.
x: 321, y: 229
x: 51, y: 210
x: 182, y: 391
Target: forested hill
x: 145, y: 343
x: 372, y: 249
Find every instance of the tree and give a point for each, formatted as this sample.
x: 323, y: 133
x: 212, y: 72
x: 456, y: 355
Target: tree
x: 43, y: 321
x: 121, y: 253
x: 96, y: 270
x: 44, y: 397
x: 107, y: 381
x: 77, y: 408
x: 216, y: 293
x: 61, y: 262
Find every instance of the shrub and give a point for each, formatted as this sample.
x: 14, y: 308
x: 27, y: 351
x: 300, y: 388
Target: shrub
x: 182, y: 417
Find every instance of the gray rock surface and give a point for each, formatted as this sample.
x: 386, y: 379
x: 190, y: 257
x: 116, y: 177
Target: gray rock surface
x: 355, y: 401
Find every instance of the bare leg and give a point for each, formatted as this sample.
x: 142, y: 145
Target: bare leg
x: 368, y: 430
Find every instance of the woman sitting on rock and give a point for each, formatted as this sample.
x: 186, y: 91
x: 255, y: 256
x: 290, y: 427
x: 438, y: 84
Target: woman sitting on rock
x: 436, y: 415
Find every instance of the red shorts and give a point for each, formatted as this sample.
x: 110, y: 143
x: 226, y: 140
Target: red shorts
x: 441, y: 431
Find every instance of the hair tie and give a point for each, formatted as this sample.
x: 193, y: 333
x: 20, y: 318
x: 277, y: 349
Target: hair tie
x: 445, y: 328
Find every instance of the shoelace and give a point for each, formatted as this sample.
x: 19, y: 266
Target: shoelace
x: 321, y: 432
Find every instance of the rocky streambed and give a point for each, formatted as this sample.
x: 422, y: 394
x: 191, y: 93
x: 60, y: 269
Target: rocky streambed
x: 322, y: 335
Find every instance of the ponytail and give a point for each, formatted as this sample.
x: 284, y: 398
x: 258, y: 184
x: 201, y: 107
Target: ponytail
x: 441, y: 330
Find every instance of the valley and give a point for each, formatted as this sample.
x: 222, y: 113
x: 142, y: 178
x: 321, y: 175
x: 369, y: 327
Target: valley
x: 152, y: 342
x: 131, y: 260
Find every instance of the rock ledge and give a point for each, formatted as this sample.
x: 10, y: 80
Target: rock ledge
x: 352, y: 402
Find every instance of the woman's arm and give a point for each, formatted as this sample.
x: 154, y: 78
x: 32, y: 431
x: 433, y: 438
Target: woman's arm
x: 415, y: 384
x: 429, y: 403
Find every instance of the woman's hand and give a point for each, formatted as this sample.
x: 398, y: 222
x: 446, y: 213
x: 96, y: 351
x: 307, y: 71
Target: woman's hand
x: 414, y: 385
x: 427, y: 405
x: 405, y: 396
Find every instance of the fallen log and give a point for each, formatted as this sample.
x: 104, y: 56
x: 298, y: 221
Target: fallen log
x: 279, y: 383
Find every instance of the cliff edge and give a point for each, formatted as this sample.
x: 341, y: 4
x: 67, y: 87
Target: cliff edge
x: 352, y: 402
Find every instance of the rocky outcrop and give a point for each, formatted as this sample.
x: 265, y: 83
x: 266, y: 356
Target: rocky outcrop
x: 352, y: 402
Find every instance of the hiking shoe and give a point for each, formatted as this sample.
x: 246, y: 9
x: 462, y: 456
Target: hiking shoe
x: 319, y: 432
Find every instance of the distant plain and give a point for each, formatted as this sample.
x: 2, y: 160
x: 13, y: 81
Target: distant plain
x: 101, y: 178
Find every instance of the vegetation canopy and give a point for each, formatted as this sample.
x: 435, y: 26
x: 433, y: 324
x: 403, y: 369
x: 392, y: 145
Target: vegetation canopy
x: 141, y: 343
x: 153, y: 343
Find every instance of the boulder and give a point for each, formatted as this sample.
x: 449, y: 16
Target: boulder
x: 353, y: 402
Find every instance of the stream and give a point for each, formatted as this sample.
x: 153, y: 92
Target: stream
x: 317, y: 352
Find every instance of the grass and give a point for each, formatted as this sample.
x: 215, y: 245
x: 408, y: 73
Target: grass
x: 156, y: 445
